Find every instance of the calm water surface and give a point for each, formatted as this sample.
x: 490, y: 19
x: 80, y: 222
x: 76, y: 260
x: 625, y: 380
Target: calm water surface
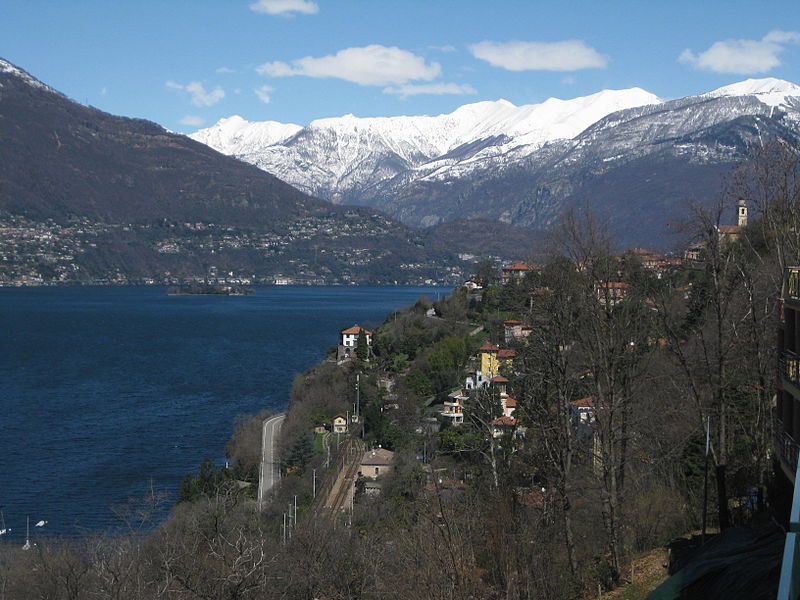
x: 105, y: 392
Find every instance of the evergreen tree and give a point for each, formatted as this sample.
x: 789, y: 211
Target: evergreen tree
x: 362, y: 347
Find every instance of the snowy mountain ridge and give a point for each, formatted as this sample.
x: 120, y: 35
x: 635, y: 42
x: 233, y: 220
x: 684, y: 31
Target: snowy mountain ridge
x: 349, y: 159
x: 337, y: 157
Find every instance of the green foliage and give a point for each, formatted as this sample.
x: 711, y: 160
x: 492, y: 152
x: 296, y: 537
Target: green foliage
x: 485, y: 272
x: 208, y: 482
x: 452, y: 439
x: 362, y: 348
x: 299, y: 452
x: 419, y: 382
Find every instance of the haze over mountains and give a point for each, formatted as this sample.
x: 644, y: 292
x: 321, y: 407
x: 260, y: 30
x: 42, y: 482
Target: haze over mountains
x: 627, y: 153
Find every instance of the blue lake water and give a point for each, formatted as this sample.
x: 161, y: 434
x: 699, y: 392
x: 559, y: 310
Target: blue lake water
x: 105, y: 392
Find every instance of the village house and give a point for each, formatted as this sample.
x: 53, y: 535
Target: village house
x: 471, y: 285
x: 516, y: 272
x: 375, y: 463
x: 476, y: 380
x: 502, y: 426
x: 508, y: 404
x: 493, y: 359
x: 582, y: 411
x: 340, y: 424
x: 489, y: 365
x: 453, y: 409
x: 348, y: 341
x: 515, y: 330
x: 611, y: 293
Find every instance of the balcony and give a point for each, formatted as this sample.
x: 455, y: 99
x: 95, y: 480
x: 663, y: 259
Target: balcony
x: 790, y: 367
x: 787, y: 449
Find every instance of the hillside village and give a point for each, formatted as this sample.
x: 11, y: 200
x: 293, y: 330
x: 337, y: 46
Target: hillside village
x: 503, y: 392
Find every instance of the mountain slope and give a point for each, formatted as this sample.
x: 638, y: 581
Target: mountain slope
x: 86, y: 196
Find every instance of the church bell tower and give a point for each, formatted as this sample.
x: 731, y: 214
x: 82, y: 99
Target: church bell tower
x: 742, y: 213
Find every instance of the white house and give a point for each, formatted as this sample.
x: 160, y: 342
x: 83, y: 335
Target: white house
x: 348, y: 339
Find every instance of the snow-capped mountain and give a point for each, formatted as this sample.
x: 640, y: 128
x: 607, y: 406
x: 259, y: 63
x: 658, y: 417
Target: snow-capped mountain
x: 339, y: 158
x: 522, y: 164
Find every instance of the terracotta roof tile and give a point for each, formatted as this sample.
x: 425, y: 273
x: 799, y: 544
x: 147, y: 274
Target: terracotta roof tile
x: 356, y: 329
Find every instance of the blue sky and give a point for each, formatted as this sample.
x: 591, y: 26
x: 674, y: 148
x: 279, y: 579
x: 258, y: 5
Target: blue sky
x: 186, y: 64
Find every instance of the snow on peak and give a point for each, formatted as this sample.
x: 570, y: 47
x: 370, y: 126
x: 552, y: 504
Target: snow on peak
x: 235, y: 135
x: 7, y: 67
x: 769, y: 90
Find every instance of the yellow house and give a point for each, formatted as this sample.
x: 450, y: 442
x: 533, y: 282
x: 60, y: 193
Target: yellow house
x: 490, y: 365
x: 506, y: 359
x: 339, y: 424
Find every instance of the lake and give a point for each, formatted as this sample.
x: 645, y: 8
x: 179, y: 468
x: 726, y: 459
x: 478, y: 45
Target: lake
x: 109, y: 392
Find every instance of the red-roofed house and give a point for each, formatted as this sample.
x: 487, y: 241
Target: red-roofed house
x: 582, y: 410
x: 348, y: 340
x: 503, y: 425
x: 506, y: 358
x: 516, y: 272
x: 515, y: 330
x: 509, y: 405
x: 611, y: 293
x: 490, y: 366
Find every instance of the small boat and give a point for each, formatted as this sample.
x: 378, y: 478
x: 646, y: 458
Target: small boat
x: 3, y: 529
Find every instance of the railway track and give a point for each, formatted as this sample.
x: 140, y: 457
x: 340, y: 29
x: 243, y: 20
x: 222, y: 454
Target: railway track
x: 342, y: 492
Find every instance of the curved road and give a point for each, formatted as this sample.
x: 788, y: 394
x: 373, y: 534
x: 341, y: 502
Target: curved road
x: 269, y: 473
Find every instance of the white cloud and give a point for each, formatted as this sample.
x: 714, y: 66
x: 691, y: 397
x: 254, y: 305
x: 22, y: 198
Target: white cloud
x: 104, y: 91
x: 742, y: 57
x: 370, y: 65
x: 192, y: 121
x: 568, y: 55
x: 225, y: 70
x: 285, y: 7
x: 263, y: 93
x: 404, y: 91
x: 276, y: 69
x: 569, y: 80
x: 447, y: 48
x: 198, y: 93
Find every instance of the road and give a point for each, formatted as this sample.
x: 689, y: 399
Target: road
x: 269, y: 473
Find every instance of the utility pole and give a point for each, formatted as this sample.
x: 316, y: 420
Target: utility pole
x: 314, y: 482
x: 358, y: 396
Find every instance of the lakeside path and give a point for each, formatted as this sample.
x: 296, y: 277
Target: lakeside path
x: 268, y: 474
